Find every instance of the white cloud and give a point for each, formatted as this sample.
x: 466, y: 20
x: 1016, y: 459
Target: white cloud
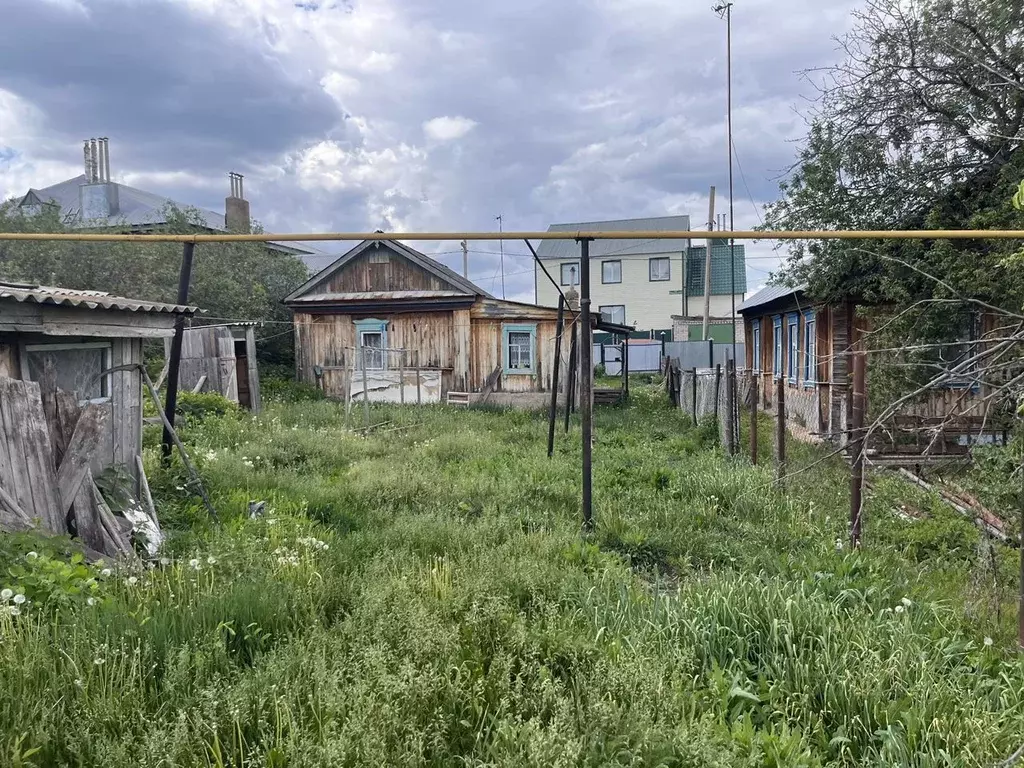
x: 448, y: 128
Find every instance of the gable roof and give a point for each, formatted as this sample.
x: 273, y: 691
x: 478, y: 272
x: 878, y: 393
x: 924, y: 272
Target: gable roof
x: 768, y: 294
x: 136, y: 208
x: 570, y: 249
x: 436, y: 268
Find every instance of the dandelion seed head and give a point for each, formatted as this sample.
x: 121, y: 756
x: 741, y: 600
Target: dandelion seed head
x: 906, y: 602
x: 32, y: 555
x: 106, y: 572
x: 19, y: 599
x: 14, y: 611
x: 133, y: 580
x: 988, y: 642
x: 194, y: 563
x: 898, y: 609
x: 90, y: 601
x: 6, y: 594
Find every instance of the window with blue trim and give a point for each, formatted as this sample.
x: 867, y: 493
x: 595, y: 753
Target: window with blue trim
x: 777, y: 352
x: 755, y: 361
x: 519, y: 348
x: 793, y: 336
x: 372, y: 336
x: 810, y: 349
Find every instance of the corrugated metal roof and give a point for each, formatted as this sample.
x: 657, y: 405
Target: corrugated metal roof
x: 43, y: 294
x: 136, y: 208
x: 721, y: 283
x: 768, y: 294
x: 381, y: 296
x: 569, y: 249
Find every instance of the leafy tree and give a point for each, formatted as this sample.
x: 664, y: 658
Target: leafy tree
x: 230, y: 281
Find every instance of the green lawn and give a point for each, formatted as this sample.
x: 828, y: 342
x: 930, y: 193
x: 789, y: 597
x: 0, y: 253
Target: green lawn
x: 424, y: 595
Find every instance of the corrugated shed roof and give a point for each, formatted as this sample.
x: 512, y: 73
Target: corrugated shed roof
x: 381, y: 295
x: 43, y: 294
x: 721, y: 279
x: 570, y: 249
x: 136, y: 208
x: 769, y: 294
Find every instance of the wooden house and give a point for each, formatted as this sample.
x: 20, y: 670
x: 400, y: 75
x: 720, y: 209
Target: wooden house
x: 388, y: 320
x: 806, y: 343
x: 66, y: 339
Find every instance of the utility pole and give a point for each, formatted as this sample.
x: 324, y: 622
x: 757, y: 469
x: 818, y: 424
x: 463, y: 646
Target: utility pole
x: 586, y: 386
x: 465, y: 260
x: 707, y: 267
x: 174, y: 363
x: 501, y: 250
x: 725, y: 9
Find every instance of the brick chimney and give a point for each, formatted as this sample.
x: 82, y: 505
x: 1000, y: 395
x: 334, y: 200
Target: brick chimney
x: 98, y: 196
x: 236, y: 207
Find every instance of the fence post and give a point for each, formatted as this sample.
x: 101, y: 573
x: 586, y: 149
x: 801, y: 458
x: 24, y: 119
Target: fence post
x: 366, y: 387
x: 419, y: 397
x: 693, y: 372
x: 857, y: 450
x: 753, y: 417
x: 553, y: 412
x: 730, y: 393
x: 625, y: 366
x: 780, y: 433
x: 718, y: 386
x: 401, y: 375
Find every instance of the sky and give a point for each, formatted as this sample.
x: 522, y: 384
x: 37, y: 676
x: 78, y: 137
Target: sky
x: 355, y: 115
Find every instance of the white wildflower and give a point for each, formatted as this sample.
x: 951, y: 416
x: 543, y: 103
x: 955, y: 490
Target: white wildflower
x: 194, y: 563
x: 78, y: 682
x: 898, y: 609
x: 106, y: 572
x: 988, y: 642
x: 6, y: 594
x: 14, y: 611
x: 839, y: 545
x: 90, y: 601
x: 165, y: 561
x: 19, y: 599
x: 211, y: 560
x: 906, y: 602
x: 99, y: 662
x: 133, y: 580
x: 32, y: 555
x: 179, y: 487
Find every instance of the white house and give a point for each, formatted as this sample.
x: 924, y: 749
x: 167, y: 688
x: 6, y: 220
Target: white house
x: 648, y: 284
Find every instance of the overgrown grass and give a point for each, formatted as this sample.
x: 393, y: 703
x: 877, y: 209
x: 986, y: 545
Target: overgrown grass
x: 425, y: 597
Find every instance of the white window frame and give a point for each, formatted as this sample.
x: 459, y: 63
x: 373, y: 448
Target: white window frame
x: 364, y: 346
x: 604, y: 264
x: 755, y: 334
x: 601, y: 311
x: 667, y: 260
x: 108, y: 357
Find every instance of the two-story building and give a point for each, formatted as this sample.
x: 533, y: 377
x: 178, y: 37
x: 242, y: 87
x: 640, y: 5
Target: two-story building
x: 647, y: 284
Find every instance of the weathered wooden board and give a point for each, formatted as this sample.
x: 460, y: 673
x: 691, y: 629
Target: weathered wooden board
x: 77, y: 456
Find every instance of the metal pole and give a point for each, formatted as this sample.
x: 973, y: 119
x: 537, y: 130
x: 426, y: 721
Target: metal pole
x: 732, y: 223
x: 174, y: 364
x: 857, y: 450
x: 587, y: 385
x: 573, y: 376
x: 419, y: 397
x: 465, y: 260
x: 625, y: 366
x: 707, y: 267
x: 501, y: 249
x: 730, y: 392
x: 553, y: 412
x: 694, y: 374
x: 718, y: 386
x: 780, y: 433
x: 366, y: 387
x: 401, y: 376
x: 753, y: 417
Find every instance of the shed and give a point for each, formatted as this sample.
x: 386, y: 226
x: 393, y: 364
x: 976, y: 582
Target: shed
x: 65, y: 339
x: 425, y: 333
x: 221, y: 359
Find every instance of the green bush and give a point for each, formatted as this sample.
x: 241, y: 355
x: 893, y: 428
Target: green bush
x: 281, y: 389
x: 197, y: 406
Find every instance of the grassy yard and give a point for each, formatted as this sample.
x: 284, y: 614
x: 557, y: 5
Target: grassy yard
x: 424, y: 596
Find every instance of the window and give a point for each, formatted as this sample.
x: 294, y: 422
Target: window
x: 372, y: 336
x: 613, y: 313
x: 76, y: 367
x: 810, y: 349
x: 570, y: 274
x: 755, y: 362
x: 777, y: 352
x: 520, y: 348
x: 660, y: 269
x: 611, y: 271
x: 792, y: 327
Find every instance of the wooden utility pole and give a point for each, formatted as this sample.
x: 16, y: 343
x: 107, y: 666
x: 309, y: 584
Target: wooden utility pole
x: 465, y: 260
x: 730, y: 400
x: 857, y: 449
x: 553, y: 413
x: 780, y: 433
x: 570, y: 390
x: 707, y: 268
x: 754, y: 381
x: 174, y: 364
x: 586, y: 385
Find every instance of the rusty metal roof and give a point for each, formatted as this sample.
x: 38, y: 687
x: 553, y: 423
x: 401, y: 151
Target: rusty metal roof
x: 313, y: 298
x: 26, y: 293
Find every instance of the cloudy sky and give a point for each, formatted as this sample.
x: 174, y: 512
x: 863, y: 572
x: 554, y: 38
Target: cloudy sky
x: 416, y: 114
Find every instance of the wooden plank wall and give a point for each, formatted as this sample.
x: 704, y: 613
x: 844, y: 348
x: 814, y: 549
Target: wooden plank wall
x: 10, y: 364
x: 208, y: 351
x: 488, y: 354
x: 396, y: 274
x: 125, y: 423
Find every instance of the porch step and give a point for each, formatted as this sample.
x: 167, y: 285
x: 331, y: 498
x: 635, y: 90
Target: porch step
x: 607, y: 396
x: 458, y: 398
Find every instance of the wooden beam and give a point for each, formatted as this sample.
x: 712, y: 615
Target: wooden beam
x: 79, y: 453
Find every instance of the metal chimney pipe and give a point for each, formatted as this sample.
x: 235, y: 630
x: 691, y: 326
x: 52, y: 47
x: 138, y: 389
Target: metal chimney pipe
x: 101, y: 153
x: 106, y: 159
x: 241, y: 192
x: 86, y: 161
x: 94, y: 155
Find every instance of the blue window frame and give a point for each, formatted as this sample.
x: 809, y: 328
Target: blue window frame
x: 777, y: 352
x: 810, y: 349
x: 372, y: 339
x: 755, y: 360
x: 793, y: 339
x: 519, y: 348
